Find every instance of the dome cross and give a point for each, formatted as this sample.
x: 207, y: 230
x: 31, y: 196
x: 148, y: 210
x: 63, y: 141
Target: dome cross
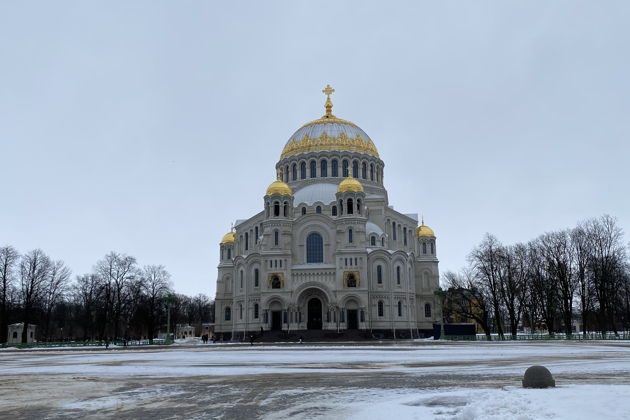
x: 328, y: 90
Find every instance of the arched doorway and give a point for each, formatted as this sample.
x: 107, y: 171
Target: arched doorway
x: 314, y: 320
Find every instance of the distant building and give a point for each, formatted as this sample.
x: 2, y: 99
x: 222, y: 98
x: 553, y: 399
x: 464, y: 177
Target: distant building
x: 207, y: 328
x: 14, y: 335
x: 327, y: 251
x: 184, y: 331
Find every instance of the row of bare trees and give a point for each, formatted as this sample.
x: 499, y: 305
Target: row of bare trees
x: 547, y: 282
x: 118, y: 299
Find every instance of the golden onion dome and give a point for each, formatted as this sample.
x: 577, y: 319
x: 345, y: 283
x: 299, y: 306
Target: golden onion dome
x: 279, y: 188
x: 350, y: 185
x: 329, y: 133
x: 425, y: 231
x: 228, y: 238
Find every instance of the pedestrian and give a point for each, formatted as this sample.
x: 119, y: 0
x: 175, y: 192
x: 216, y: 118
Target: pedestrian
x: 301, y: 340
x: 262, y: 331
x: 251, y: 340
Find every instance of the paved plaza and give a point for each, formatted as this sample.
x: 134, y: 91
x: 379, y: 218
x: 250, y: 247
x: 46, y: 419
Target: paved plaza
x: 425, y: 380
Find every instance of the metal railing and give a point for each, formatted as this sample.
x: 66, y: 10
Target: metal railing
x: 540, y: 337
x: 95, y: 343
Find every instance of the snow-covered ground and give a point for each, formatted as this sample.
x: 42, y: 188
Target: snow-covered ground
x: 426, y: 380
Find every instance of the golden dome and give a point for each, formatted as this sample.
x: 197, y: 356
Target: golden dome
x: 279, y: 188
x: 229, y: 237
x: 350, y: 185
x: 424, y: 231
x: 329, y: 133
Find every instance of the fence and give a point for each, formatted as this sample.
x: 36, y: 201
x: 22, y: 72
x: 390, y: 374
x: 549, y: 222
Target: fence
x: 533, y: 337
x: 98, y: 343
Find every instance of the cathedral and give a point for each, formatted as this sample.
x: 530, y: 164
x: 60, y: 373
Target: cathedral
x: 327, y: 251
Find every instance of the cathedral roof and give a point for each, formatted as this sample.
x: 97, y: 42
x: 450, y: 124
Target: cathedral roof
x: 350, y: 185
x: 311, y: 194
x: 425, y: 231
x: 279, y: 188
x: 329, y: 133
x: 371, y: 227
x: 228, y: 238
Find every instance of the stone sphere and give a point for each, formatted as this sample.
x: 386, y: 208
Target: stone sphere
x: 538, y: 377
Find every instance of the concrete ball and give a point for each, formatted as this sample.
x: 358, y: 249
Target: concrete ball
x: 538, y: 377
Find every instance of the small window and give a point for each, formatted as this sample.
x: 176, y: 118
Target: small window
x: 228, y: 313
x: 303, y: 211
x: 323, y: 168
x: 432, y: 248
x: 364, y: 170
x: 399, y: 308
x: 424, y: 247
x: 344, y: 165
x: 240, y: 311
x: 427, y: 310
x: 318, y: 209
x: 335, y: 168
x: 276, y: 238
x: 373, y: 240
x: 405, y: 235
x: 350, y: 207
x: 398, y: 275
x: 372, y: 172
x: 241, y: 279
x: 256, y: 234
x: 294, y: 172
x: 276, y: 209
x: 355, y: 169
x: 334, y: 210
x: 379, y: 274
x: 246, y: 241
x: 313, y: 169
x: 229, y: 253
x: 380, y: 308
x: 382, y: 241
x: 352, y: 280
x: 255, y: 311
x: 14, y: 334
x: 350, y: 235
x: 275, y: 282
x: 256, y: 277
x: 286, y: 209
x: 394, y: 230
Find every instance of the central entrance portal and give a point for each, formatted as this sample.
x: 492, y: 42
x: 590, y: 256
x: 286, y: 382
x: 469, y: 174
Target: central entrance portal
x: 353, y: 319
x: 314, y: 314
x: 276, y: 320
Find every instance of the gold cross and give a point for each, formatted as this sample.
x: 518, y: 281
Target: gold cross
x: 328, y: 91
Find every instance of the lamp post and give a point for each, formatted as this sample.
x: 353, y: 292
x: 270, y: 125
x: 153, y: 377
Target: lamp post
x: 441, y: 295
x: 168, y: 300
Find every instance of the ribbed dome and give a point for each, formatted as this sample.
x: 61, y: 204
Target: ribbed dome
x: 424, y: 231
x: 350, y: 185
x: 329, y: 133
x: 229, y: 237
x: 279, y: 188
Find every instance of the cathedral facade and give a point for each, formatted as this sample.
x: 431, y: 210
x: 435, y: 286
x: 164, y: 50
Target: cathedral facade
x: 327, y: 251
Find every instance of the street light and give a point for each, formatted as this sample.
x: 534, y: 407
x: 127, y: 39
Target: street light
x: 441, y: 295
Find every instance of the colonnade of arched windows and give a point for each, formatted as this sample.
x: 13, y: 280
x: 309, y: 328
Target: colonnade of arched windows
x: 362, y: 169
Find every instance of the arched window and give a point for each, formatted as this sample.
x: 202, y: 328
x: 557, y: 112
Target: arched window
x: 314, y: 248
x: 397, y: 274
x: 427, y: 310
x: 240, y: 311
x: 276, y: 209
x: 323, y: 168
x: 355, y: 169
x: 294, y: 172
x: 432, y: 249
x: 424, y: 247
x: 350, y: 235
x: 286, y: 209
x: 405, y: 235
x: 256, y: 277
x: 364, y: 170
x: 255, y: 311
x: 378, y: 174
x: 379, y: 274
x: 334, y: 210
x: 286, y: 173
x: 318, y: 209
x: 382, y: 241
x: 394, y: 230
x: 335, y: 168
x: 275, y: 282
x: 380, y: 308
x: 246, y: 241
x: 399, y: 308
x: 303, y: 170
x: 303, y: 210
x: 229, y: 253
x: 371, y: 172
x: 352, y: 280
x: 228, y: 313
x: 14, y: 334
x: 373, y: 240
x: 313, y: 169
x: 256, y: 234
x: 344, y: 166
x: 276, y: 238
x: 350, y: 206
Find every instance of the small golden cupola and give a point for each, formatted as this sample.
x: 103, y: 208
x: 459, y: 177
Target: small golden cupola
x: 425, y: 231
x: 278, y: 187
x: 229, y: 238
x: 350, y: 184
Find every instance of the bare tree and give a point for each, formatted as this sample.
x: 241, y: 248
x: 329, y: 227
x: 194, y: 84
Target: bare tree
x: 8, y: 260
x: 87, y: 295
x: 157, y: 285
x: 512, y: 282
x: 582, y: 256
x: 55, y: 288
x: 468, y: 299
x: 116, y: 272
x: 485, y: 262
x: 34, y: 271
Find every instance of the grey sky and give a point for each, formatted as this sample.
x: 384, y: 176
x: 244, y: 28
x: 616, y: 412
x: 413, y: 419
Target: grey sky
x: 148, y: 127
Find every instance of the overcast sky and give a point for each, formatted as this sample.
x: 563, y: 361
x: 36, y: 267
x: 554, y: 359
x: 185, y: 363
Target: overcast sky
x: 148, y: 127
